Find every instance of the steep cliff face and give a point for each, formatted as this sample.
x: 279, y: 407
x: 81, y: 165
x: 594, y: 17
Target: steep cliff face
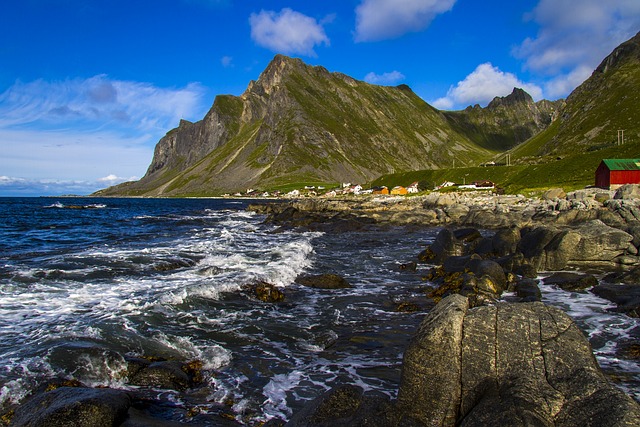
x: 606, y: 102
x: 299, y: 123
x: 506, y: 121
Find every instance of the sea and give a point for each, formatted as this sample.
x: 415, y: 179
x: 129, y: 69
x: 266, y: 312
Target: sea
x: 87, y: 282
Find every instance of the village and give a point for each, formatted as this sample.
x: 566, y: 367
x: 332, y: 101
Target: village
x: 349, y: 189
x: 610, y: 175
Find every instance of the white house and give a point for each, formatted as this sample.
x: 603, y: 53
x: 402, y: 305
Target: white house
x: 413, y: 188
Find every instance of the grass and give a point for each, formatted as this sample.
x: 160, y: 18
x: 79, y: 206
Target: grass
x: 570, y: 173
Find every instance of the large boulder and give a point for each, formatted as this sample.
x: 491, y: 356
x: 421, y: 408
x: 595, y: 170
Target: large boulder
x: 592, y: 243
x: 628, y: 191
x: 517, y: 364
x: 70, y: 406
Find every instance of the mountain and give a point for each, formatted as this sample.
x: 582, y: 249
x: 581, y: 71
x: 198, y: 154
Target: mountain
x: 595, y: 111
x: 506, y: 121
x: 303, y: 124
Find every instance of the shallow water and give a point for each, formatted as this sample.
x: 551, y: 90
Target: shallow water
x: 80, y: 288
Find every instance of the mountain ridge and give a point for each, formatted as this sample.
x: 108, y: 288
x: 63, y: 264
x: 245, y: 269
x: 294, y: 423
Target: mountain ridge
x: 299, y: 123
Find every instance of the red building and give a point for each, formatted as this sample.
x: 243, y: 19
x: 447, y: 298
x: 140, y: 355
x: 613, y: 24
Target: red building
x: 613, y: 173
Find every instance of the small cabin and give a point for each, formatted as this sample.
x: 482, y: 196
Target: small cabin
x: 399, y: 191
x: 381, y: 190
x: 614, y: 173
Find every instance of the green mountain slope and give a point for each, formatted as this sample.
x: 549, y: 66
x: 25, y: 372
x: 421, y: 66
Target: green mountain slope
x: 606, y: 102
x: 303, y: 124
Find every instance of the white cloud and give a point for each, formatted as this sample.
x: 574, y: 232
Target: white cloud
x: 481, y: 86
x: 287, y: 32
x: 575, y: 35
x: 386, y: 19
x: 385, y: 78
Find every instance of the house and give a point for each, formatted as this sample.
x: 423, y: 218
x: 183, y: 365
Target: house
x: 399, y: 190
x: 483, y: 184
x: 413, y: 188
x: 380, y: 190
x: 445, y: 185
x: 613, y: 173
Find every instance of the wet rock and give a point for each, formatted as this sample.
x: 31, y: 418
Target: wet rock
x: 346, y: 406
x: 80, y: 407
x: 324, y: 281
x: 265, y: 292
x: 508, y: 364
x: 527, y: 290
x: 626, y: 297
x: 170, y: 375
x: 444, y: 246
x: 571, y: 282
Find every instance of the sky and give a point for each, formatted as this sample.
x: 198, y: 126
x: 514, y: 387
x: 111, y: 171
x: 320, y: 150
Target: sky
x: 87, y: 88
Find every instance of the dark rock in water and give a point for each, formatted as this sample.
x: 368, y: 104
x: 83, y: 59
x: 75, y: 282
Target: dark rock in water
x: 324, y: 281
x: 80, y: 407
x: 345, y: 406
x: 444, y: 246
x: 527, y: 290
x: 266, y: 292
x: 517, y: 364
x: 166, y: 375
x: 626, y: 297
x: 571, y: 281
x: 86, y: 360
x: 409, y: 266
x: 631, y: 277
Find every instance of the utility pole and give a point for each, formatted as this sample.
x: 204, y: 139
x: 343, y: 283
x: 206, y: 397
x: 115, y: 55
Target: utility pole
x: 620, y: 136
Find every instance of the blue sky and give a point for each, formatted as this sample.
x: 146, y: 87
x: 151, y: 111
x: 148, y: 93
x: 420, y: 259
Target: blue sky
x: 87, y: 88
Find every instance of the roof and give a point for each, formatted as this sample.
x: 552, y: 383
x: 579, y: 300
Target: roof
x: 622, y: 164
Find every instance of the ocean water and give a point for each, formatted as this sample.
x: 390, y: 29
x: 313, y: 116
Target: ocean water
x: 86, y: 282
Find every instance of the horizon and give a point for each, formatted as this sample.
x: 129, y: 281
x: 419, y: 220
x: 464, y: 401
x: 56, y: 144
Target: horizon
x: 87, y: 90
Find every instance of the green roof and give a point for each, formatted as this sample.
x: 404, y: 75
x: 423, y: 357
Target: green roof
x: 622, y: 164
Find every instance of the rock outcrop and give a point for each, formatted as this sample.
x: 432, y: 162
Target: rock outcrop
x: 508, y: 364
x: 523, y: 364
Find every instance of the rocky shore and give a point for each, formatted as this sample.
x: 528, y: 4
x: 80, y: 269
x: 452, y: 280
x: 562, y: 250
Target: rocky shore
x: 477, y: 360
x: 489, y: 353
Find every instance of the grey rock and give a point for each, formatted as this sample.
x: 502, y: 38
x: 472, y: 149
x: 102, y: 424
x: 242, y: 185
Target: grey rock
x: 554, y: 193
x: 628, y: 191
x: 518, y: 364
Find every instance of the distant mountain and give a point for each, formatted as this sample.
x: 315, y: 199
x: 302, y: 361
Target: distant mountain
x: 605, y: 103
x: 506, y: 121
x: 302, y: 124
x: 299, y: 123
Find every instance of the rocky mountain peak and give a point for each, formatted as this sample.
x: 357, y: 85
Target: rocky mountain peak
x: 518, y: 96
x: 279, y: 67
x: 627, y: 51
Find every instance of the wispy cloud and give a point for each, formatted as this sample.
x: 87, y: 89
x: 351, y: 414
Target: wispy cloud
x: 226, y: 61
x: 390, y: 78
x: 481, y: 86
x: 574, y: 36
x: 287, y: 32
x: 98, y: 101
x: 386, y: 19
x: 79, y: 130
